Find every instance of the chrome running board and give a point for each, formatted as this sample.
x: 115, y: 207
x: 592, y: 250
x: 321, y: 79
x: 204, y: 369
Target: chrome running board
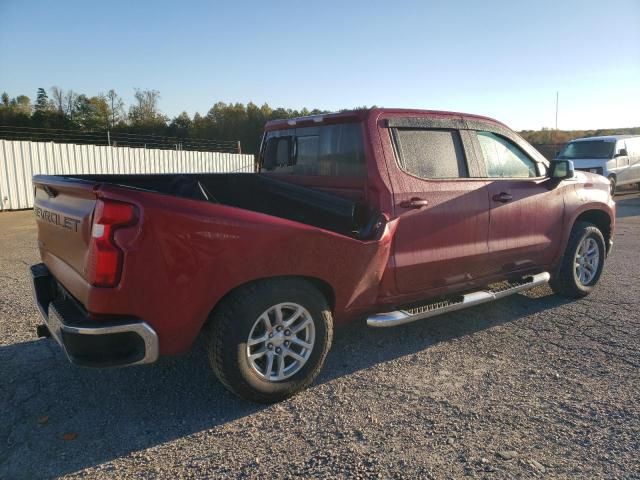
x: 400, y: 317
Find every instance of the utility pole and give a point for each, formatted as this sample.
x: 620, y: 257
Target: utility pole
x: 557, y: 95
x: 108, y: 138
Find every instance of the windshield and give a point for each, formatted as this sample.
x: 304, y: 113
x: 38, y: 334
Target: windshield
x: 587, y: 149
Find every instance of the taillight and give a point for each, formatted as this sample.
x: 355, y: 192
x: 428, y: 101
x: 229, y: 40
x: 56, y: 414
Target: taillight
x: 105, y: 257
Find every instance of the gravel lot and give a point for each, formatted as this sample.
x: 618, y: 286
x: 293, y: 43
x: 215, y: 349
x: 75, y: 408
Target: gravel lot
x: 530, y: 386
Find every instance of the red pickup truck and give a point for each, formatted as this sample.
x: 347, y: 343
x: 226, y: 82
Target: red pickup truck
x: 385, y: 214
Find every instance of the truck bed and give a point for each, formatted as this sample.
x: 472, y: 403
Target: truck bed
x: 258, y: 193
x: 194, y: 238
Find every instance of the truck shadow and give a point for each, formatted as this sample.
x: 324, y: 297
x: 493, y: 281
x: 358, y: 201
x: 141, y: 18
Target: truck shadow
x: 627, y: 205
x: 360, y: 347
x: 115, y: 413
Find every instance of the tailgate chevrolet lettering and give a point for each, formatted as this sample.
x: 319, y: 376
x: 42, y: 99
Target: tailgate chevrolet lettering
x: 68, y: 223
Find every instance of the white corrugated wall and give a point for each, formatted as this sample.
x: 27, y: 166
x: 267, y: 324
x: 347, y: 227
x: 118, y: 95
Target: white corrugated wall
x: 19, y: 161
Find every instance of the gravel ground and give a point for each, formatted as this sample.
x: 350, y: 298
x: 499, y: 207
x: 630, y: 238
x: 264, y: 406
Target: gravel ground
x: 530, y: 386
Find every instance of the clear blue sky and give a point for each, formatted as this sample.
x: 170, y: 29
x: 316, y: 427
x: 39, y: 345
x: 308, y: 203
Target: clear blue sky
x: 505, y: 59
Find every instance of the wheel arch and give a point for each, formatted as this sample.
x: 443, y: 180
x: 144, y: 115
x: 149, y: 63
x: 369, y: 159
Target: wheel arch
x: 600, y: 219
x: 322, y: 286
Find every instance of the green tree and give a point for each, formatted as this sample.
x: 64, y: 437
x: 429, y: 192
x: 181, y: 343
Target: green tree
x: 44, y: 114
x: 91, y: 113
x: 180, y: 125
x: 145, y: 115
x: 42, y: 101
x: 21, y: 105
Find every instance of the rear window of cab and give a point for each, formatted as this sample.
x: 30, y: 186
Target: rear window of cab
x: 325, y: 150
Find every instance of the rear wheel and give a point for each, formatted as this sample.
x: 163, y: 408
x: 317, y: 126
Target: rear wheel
x: 612, y: 184
x: 269, y: 340
x: 582, y: 262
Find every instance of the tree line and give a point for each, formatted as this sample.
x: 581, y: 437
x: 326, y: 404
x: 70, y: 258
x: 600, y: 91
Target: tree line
x: 68, y: 110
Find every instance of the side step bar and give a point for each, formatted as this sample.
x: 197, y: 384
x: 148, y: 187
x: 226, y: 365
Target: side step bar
x: 400, y: 317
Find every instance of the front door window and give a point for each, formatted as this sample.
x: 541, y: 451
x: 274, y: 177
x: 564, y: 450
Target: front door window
x: 503, y: 159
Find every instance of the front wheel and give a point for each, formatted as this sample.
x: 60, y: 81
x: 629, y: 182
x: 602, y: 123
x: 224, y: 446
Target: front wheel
x: 269, y: 340
x: 582, y: 262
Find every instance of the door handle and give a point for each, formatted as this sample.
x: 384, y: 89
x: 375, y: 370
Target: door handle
x: 502, y: 197
x: 415, y: 202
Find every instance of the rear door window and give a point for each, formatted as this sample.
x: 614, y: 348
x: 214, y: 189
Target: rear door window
x: 431, y: 153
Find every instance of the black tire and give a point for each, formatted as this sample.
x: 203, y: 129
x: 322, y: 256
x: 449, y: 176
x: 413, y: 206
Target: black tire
x: 231, y: 324
x: 565, y: 281
x: 612, y: 184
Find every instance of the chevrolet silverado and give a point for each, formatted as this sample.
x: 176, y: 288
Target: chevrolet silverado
x: 387, y: 215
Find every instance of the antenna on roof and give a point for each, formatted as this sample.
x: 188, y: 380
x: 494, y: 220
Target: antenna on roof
x: 557, y: 95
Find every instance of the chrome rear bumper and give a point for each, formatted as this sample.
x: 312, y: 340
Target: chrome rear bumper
x: 87, y: 342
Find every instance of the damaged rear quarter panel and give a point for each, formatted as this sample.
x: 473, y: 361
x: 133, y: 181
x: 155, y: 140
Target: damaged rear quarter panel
x: 184, y: 256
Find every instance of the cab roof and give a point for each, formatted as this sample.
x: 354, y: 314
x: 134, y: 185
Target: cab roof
x: 363, y: 114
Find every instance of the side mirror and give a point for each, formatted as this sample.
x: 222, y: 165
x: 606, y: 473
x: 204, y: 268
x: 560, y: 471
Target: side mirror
x: 621, y: 153
x: 561, y: 169
x: 277, y: 153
